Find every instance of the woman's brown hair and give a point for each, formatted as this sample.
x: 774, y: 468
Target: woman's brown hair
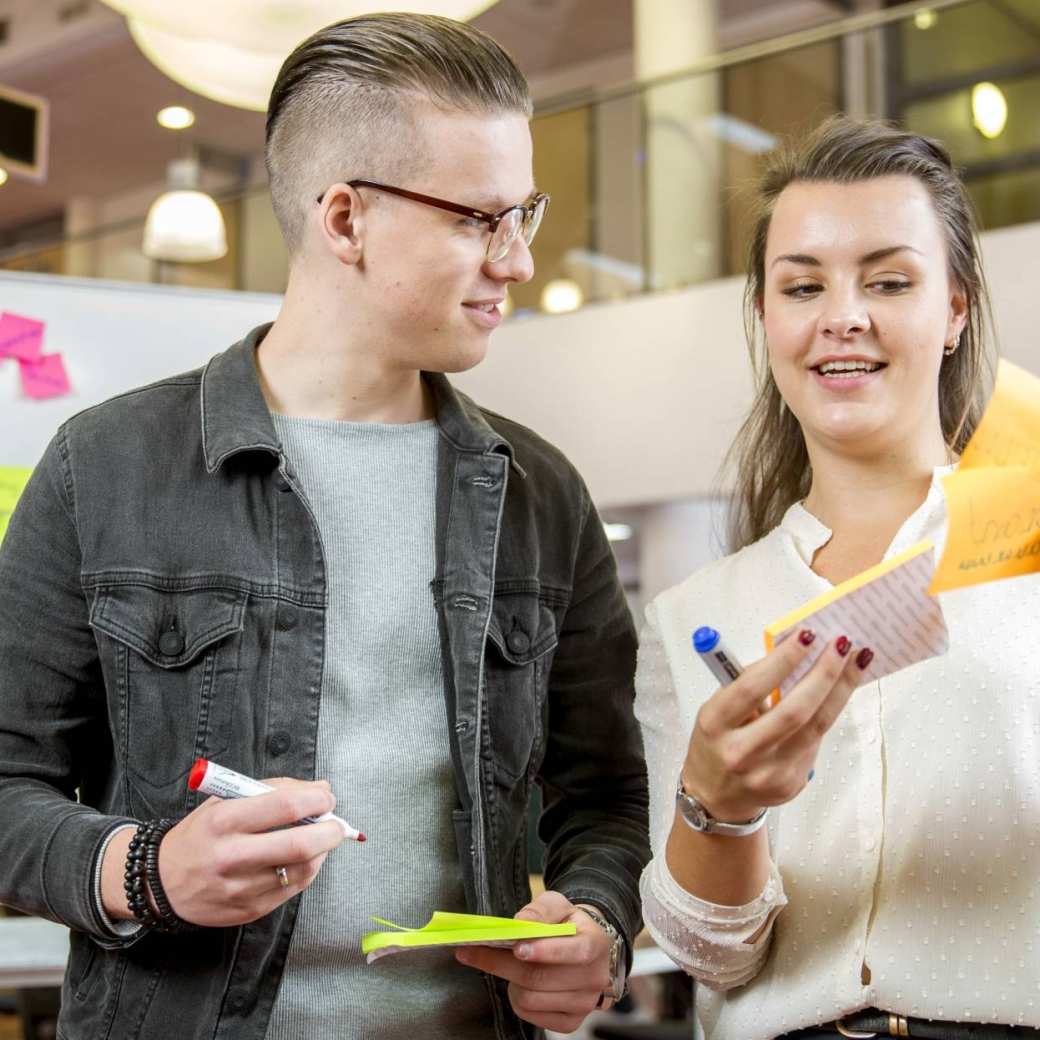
x: 769, y: 456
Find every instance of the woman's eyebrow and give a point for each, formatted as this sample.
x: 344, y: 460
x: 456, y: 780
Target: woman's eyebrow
x: 868, y: 258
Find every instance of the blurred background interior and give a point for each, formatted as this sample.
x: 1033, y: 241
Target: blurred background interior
x: 652, y: 117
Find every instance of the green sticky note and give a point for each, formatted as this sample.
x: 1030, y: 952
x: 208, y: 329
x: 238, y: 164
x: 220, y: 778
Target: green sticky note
x: 12, y: 483
x: 446, y: 929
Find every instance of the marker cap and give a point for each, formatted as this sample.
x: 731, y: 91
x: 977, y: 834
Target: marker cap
x: 705, y: 640
x: 197, y: 774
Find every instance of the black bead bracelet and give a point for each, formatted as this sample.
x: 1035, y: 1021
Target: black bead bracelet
x: 142, y: 877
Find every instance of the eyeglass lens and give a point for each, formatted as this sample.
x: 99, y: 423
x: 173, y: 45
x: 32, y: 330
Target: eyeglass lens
x: 515, y: 221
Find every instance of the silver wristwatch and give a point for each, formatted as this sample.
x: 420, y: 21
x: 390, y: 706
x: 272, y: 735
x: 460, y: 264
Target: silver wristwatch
x: 696, y: 816
x: 617, y: 954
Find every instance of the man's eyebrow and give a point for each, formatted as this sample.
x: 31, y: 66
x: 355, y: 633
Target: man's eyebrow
x: 497, y: 204
x: 868, y: 258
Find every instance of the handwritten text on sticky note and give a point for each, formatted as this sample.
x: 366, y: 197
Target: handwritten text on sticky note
x: 45, y: 377
x: 993, y: 498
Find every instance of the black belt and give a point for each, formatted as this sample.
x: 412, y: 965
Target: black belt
x: 873, y: 1023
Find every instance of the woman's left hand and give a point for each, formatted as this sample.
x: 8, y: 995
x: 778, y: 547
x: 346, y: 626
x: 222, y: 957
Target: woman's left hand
x: 553, y: 983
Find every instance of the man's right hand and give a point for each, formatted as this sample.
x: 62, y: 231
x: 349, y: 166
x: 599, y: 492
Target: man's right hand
x: 219, y: 864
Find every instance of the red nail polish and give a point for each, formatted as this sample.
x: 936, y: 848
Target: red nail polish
x: 864, y: 657
x: 805, y: 637
x: 843, y: 645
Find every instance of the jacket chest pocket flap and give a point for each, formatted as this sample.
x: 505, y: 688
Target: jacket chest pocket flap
x: 522, y: 634
x: 174, y: 658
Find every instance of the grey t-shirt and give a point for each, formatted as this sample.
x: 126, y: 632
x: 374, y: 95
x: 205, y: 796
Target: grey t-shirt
x: 382, y: 744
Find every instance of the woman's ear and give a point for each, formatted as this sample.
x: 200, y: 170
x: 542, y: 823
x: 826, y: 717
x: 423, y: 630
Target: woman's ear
x: 958, y: 313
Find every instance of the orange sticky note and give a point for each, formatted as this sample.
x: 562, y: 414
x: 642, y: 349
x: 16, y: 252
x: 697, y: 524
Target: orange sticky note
x: 994, y: 516
x: 993, y: 498
x: 1009, y: 431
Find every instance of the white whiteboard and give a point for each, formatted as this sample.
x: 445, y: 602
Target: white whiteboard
x: 114, y: 336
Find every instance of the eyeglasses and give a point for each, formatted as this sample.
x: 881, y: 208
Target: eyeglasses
x: 505, y: 226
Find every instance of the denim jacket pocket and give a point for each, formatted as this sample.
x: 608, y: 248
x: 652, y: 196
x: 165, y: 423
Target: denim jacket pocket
x: 172, y: 656
x: 522, y: 636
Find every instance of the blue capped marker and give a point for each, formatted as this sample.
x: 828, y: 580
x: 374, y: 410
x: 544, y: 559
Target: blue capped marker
x: 713, y: 652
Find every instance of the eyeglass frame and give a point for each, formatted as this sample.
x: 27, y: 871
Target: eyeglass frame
x: 491, y: 219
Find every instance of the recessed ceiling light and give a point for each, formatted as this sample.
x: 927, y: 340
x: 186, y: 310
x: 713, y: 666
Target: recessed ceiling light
x: 925, y: 18
x: 176, y: 117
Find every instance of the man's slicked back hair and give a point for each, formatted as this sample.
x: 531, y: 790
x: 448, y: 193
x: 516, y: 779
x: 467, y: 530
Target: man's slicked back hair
x: 342, y: 105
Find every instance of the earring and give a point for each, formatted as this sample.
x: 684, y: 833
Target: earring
x: 951, y: 348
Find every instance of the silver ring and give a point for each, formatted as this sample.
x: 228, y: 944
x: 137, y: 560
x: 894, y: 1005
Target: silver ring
x: 283, y: 876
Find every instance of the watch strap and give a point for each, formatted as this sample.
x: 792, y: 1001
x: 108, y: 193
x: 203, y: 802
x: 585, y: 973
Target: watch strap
x: 618, y: 981
x: 697, y: 817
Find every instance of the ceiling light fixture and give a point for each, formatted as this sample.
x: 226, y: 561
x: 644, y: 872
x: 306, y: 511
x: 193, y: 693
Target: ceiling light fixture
x: 618, y: 532
x: 184, y: 224
x: 175, y: 117
x: 232, y: 51
x: 925, y: 18
x: 989, y: 109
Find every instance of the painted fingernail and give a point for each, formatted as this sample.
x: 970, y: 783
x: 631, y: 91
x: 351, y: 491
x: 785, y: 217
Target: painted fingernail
x: 812, y: 773
x: 864, y: 657
x: 523, y: 951
x: 843, y: 645
x: 805, y: 637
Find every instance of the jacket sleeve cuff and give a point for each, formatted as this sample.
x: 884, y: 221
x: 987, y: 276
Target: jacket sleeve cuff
x: 72, y: 893
x: 116, y: 929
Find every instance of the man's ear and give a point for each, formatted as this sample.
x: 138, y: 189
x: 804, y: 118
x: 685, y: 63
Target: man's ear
x: 342, y: 223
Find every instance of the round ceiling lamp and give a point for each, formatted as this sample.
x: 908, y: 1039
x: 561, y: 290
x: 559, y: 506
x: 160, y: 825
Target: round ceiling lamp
x: 231, y: 50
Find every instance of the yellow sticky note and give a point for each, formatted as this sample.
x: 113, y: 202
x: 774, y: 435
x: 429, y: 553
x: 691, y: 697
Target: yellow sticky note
x: 1009, y: 431
x: 994, y: 516
x: 12, y: 483
x: 448, y: 929
x: 993, y: 498
x: 887, y: 608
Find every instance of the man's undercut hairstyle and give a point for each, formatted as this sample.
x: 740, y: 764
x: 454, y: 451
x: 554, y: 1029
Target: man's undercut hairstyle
x: 342, y: 107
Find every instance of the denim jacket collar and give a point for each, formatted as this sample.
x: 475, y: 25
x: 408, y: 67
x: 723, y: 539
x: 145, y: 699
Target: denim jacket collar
x: 235, y: 416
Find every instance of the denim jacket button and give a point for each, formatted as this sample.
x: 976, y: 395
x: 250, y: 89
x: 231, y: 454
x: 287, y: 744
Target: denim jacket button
x: 171, y: 643
x: 518, y: 641
x: 279, y: 743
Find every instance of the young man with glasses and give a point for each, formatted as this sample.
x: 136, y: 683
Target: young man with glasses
x: 315, y: 558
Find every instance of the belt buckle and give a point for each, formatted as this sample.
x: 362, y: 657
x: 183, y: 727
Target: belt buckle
x: 839, y: 1024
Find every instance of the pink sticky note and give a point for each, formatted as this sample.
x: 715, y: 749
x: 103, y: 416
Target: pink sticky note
x: 20, y: 337
x: 45, y: 377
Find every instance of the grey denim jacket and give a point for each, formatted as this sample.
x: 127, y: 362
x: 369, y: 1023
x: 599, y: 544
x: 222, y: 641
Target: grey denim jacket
x: 162, y: 581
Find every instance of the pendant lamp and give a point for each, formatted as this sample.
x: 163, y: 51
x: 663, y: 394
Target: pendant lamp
x: 231, y: 50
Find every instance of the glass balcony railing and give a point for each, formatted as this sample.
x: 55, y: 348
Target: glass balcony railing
x: 649, y: 181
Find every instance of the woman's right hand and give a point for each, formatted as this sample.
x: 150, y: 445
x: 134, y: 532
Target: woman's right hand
x: 742, y: 759
x: 219, y: 864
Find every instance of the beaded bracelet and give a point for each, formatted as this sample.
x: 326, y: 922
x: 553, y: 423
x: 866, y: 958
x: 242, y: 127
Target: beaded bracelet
x: 142, y: 876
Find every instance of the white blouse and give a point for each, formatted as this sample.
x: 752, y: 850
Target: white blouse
x: 907, y: 874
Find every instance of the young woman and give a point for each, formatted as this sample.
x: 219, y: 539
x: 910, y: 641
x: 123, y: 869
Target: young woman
x: 894, y: 888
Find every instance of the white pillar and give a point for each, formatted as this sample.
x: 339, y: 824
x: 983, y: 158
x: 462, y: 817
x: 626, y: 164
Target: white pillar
x: 682, y: 205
